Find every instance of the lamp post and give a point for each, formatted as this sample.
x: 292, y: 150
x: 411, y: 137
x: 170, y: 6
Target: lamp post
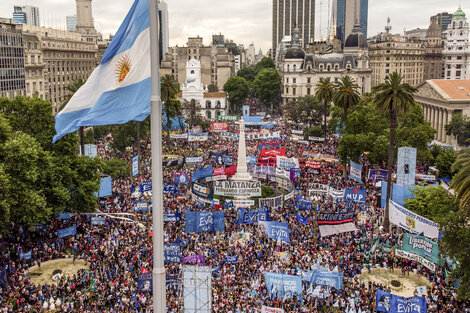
x: 315, y: 198
x: 147, y: 197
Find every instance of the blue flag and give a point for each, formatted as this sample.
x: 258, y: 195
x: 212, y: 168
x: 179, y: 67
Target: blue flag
x: 172, y: 253
x: 135, y: 165
x: 204, y: 221
x: 231, y: 259
x: 277, y: 230
x: 26, y: 255
x: 355, y: 194
x: 144, y: 283
x: 301, y: 219
x: 69, y: 231
x: 201, y: 173
x: 118, y: 90
x: 355, y: 171
x: 182, y: 179
x: 386, y: 302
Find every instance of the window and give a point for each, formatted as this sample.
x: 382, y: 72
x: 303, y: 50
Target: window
x: 294, y: 67
x: 288, y: 67
x: 208, y: 114
x: 208, y: 104
x: 192, y: 71
x: 293, y: 91
x: 308, y: 91
x: 308, y: 80
x: 294, y: 80
x: 459, y: 57
x: 287, y: 90
x: 287, y: 80
x: 217, y: 104
x: 457, y: 73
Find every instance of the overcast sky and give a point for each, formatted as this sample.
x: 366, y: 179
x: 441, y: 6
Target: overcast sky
x: 244, y: 21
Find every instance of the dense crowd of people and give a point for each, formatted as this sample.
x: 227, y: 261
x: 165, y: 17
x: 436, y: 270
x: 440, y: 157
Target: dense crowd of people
x: 117, y: 252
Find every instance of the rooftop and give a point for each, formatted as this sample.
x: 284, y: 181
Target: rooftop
x: 452, y: 89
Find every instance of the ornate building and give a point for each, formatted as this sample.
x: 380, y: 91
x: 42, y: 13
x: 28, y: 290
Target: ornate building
x: 209, y: 104
x: 34, y: 66
x: 456, y: 50
x: 12, y: 75
x: 300, y: 71
x: 433, y: 52
x: 217, y: 63
x: 440, y: 100
x: 85, y: 25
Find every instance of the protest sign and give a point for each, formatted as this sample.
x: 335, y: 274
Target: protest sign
x: 355, y: 194
x: 204, y: 221
x: 355, y: 171
x: 334, y: 218
x: 389, y: 303
x: 172, y: 217
x: 69, y: 231
x: 98, y: 220
x: 235, y: 188
x: 275, y: 203
x: 193, y: 259
x: 202, y: 191
x: 179, y: 136
x: 144, y: 283
x: 192, y: 160
x: 378, y: 174
x: 421, y: 246
x: 135, y: 165
x: 326, y: 278
x: 317, y: 189
x: 281, y: 284
x: 412, y: 222
x: 276, y: 230
x: 172, y: 253
x: 244, y: 216
x: 219, y: 126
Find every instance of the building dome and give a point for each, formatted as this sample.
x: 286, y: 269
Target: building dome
x: 356, y: 39
x: 458, y: 14
x: 295, y: 53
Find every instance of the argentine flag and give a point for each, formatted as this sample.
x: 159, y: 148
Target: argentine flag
x: 118, y: 90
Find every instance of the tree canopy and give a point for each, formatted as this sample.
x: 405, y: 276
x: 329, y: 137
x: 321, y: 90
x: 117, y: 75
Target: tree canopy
x: 237, y: 89
x: 267, y: 86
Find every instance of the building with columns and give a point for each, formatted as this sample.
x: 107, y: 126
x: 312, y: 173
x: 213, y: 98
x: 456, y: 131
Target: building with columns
x: 456, y: 50
x: 440, y: 100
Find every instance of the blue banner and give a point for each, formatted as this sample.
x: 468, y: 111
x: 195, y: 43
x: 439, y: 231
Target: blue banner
x: 172, y: 253
x: 172, y: 217
x: 330, y: 279
x: 302, y: 204
x: 231, y: 259
x: 245, y: 216
x: 224, y: 159
x: 182, y: 179
x: 354, y: 194
x: 26, y: 255
x: 203, y: 191
x: 145, y: 186
x: 144, y: 283
x: 277, y: 230
x: 3, y: 277
x: 386, y: 302
x: 64, y: 216
x: 282, y: 284
x: 355, y: 171
x: 168, y: 188
x: 268, y: 125
x: 301, y: 219
x: 378, y: 174
x: 201, y: 173
x: 171, y: 282
x: 105, y: 187
x: 267, y: 146
x: 98, y: 220
x: 251, y: 159
x: 69, y: 231
x: 135, y: 165
x: 204, y: 221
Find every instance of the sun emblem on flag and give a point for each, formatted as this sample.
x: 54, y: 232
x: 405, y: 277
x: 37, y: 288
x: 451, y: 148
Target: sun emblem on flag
x: 123, y: 68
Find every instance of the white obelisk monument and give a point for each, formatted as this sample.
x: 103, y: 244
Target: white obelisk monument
x: 242, y: 169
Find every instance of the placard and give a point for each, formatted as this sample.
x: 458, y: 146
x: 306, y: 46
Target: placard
x: 233, y: 188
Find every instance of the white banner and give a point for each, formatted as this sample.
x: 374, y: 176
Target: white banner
x: 425, y: 177
x: 275, y: 202
x: 193, y: 160
x: 201, y: 137
x: 415, y: 257
x: 304, y: 142
x: 317, y: 189
x: 298, y: 132
x: 289, y: 195
x: 267, y: 309
x: 179, y: 136
x: 233, y: 188
x: 312, y: 138
x: 336, y: 194
x: 296, y: 137
x: 216, y: 177
x: 412, y: 222
x: 201, y: 199
x: 241, y: 203
x: 282, y: 161
x: 282, y: 173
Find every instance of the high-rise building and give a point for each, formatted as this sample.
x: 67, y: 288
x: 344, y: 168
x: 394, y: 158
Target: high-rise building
x: 433, y: 50
x: 26, y: 15
x: 289, y: 14
x: 71, y: 23
x: 348, y: 13
x: 442, y: 19
x: 456, y: 50
x: 85, y: 25
x: 164, y: 28
x: 12, y: 78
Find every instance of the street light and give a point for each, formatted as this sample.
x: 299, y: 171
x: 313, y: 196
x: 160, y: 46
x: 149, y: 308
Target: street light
x: 315, y: 198
x: 147, y: 197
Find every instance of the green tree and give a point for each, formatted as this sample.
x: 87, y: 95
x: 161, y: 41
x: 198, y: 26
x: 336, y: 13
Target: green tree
x: 248, y: 73
x: 212, y: 88
x: 307, y: 110
x: 72, y: 88
x: 171, y: 107
x: 346, y: 95
x: 264, y: 63
x: 392, y: 97
x: 114, y: 167
x: 267, y: 86
x: 437, y: 204
x: 461, y: 180
x: 237, y: 89
x: 125, y: 135
x: 444, y: 162
x: 324, y: 92
x: 459, y: 127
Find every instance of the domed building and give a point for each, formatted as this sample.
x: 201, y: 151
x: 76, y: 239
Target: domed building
x: 301, y: 71
x: 456, y: 50
x: 210, y: 104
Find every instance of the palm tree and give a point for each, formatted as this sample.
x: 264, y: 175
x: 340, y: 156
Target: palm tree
x: 461, y: 180
x: 346, y: 97
x: 392, y: 97
x: 324, y: 92
x: 72, y: 88
x: 169, y: 87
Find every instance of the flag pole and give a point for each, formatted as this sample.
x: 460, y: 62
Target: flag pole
x: 158, y: 271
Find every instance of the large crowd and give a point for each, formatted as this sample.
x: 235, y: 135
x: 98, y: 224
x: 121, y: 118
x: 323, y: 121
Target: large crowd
x: 117, y: 252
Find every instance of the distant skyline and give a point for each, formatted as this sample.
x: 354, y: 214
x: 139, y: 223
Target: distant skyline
x: 243, y: 21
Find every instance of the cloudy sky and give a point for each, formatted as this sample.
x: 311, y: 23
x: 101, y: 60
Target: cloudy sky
x: 244, y: 21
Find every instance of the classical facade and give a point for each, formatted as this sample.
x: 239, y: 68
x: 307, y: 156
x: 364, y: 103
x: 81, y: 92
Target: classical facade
x: 440, y: 100
x: 300, y: 71
x: 12, y: 75
x: 34, y: 66
x: 392, y: 53
x: 217, y: 63
x: 85, y: 25
x: 456, y: 50
x: 433, y: 52
x: 65, y: 56
x: 209, y: 104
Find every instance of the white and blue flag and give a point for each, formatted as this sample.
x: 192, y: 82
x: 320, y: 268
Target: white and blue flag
x: 118, y: 90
